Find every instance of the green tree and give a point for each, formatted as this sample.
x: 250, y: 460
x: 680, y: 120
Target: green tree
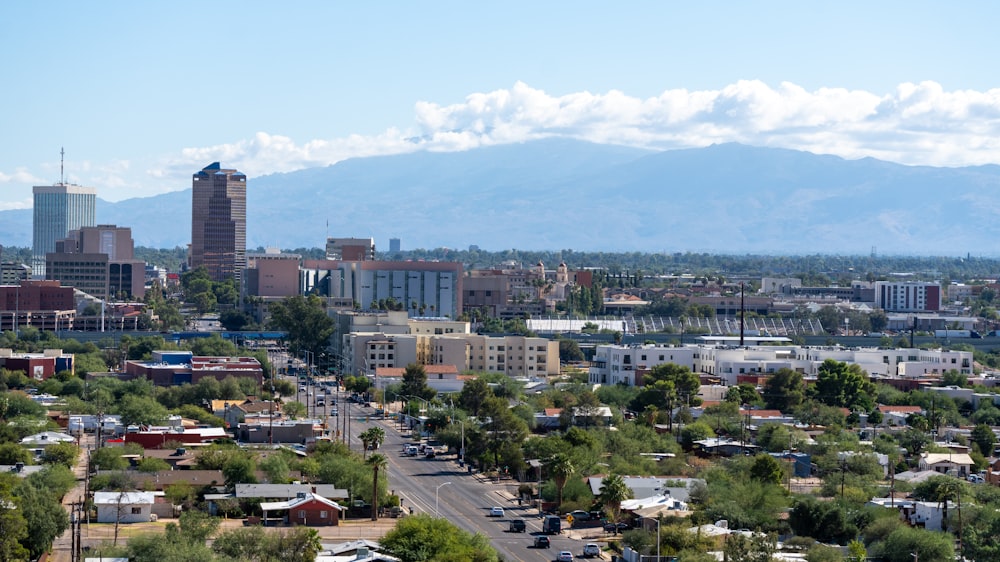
x: 276, y: 468
x: 695, y: 432
x: 422, y: 538
x: 474, y: 392
x: 239, y: 469
x: 415, y: 382
x: 784, y: 390
x: 141, y: 410
x: 44, y: 515
x: 256, y: 544
x: 152, y: 464
x: 928, y: 546
x: 61, y: 453
x: 767, y: 469
x: 304, y: 318
x: 108, y: 458
x: 844, y: 386
x: 984, y: 438
x: 822, y: 520
x: 294, y: 410
x: 13, y: 453
x: 758, y: 548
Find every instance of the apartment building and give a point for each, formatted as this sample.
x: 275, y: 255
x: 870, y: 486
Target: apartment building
x: 907, y: 296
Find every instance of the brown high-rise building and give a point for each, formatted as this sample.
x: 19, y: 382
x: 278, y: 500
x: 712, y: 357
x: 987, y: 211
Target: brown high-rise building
x: 219, y: 222
x: 100, y: 261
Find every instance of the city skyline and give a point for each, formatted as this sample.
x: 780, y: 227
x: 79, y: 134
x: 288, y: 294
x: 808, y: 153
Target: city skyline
x: 314, y: 83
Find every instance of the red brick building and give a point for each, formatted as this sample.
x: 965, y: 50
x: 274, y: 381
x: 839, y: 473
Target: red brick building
x: 172, y: 368
x: 305, y: 509
x: 38, y: 366
x: 43, y: 304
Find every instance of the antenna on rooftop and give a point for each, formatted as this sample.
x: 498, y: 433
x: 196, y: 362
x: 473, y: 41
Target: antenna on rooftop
x: 62, y: 157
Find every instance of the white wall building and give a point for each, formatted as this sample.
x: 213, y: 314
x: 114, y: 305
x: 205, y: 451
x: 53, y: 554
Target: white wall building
x: 618, y: 364
x: 907, y: 296
x: 124, y: 507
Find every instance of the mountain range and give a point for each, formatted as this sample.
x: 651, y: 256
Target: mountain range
x: 564, y: 194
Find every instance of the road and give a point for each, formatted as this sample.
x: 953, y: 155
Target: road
x: 461, y: 497
x: 465, y: 499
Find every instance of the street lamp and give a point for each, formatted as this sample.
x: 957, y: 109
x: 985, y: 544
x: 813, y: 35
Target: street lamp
x: 436, y: 490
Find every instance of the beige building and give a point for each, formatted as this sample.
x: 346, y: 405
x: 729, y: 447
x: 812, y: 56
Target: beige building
x: 273, y: 274
x: 516, y: 356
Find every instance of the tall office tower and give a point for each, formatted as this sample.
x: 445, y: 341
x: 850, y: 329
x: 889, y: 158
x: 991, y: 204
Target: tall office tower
x: 219, y: 222
x: 394, y: 245
x: 58, y: 209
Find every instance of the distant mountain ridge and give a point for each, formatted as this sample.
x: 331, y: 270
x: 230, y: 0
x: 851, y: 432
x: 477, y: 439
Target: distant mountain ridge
x: 557, y: 194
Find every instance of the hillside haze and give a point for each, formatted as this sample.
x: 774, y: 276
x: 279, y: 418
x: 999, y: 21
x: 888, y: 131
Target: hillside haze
x: 558, y: 194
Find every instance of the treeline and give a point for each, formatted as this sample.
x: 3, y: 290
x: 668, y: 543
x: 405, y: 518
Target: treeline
x: 832, y: 267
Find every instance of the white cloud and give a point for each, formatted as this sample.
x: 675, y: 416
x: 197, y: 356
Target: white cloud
x: 917, y: 123
x: 21, y: 175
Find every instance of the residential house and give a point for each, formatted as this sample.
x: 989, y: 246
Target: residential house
x: 46, y: 438
x: 547, y: 419
x: 124, y: 507
x: 305, y: 509
x: 600, y: 415
x: 896, y: 415
x: 955, y: 464
x: 929, y: 515
x: 719, y: 446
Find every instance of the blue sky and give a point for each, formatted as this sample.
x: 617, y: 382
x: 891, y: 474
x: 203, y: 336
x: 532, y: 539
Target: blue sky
x: 142, y: 94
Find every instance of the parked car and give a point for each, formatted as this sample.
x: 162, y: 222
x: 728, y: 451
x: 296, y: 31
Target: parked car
x: 541, y: 541
x: 616, y: 527
x: 591, y: 549
x: 496, y: 512
x: 580, y: 515
x: 517, y: 526
x: 564, y: 556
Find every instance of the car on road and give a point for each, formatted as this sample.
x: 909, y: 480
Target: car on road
x: 564, y: 556
x: 591, y: 549
x: 496, y: 512
x: 542, y: 541
x: 517, y: 526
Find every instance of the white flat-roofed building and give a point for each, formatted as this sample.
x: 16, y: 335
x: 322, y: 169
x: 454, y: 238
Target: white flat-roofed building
x: 618, y: 364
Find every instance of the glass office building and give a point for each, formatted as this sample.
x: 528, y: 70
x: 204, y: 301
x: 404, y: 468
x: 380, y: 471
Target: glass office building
x: 58, y: 209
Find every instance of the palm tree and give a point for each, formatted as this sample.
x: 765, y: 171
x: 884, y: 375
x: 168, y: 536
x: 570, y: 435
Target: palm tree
x: 561, y: 468
x: 376, y: 436
x: 613, y: 493
x: 377, y: 462
x: 372, y: 438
